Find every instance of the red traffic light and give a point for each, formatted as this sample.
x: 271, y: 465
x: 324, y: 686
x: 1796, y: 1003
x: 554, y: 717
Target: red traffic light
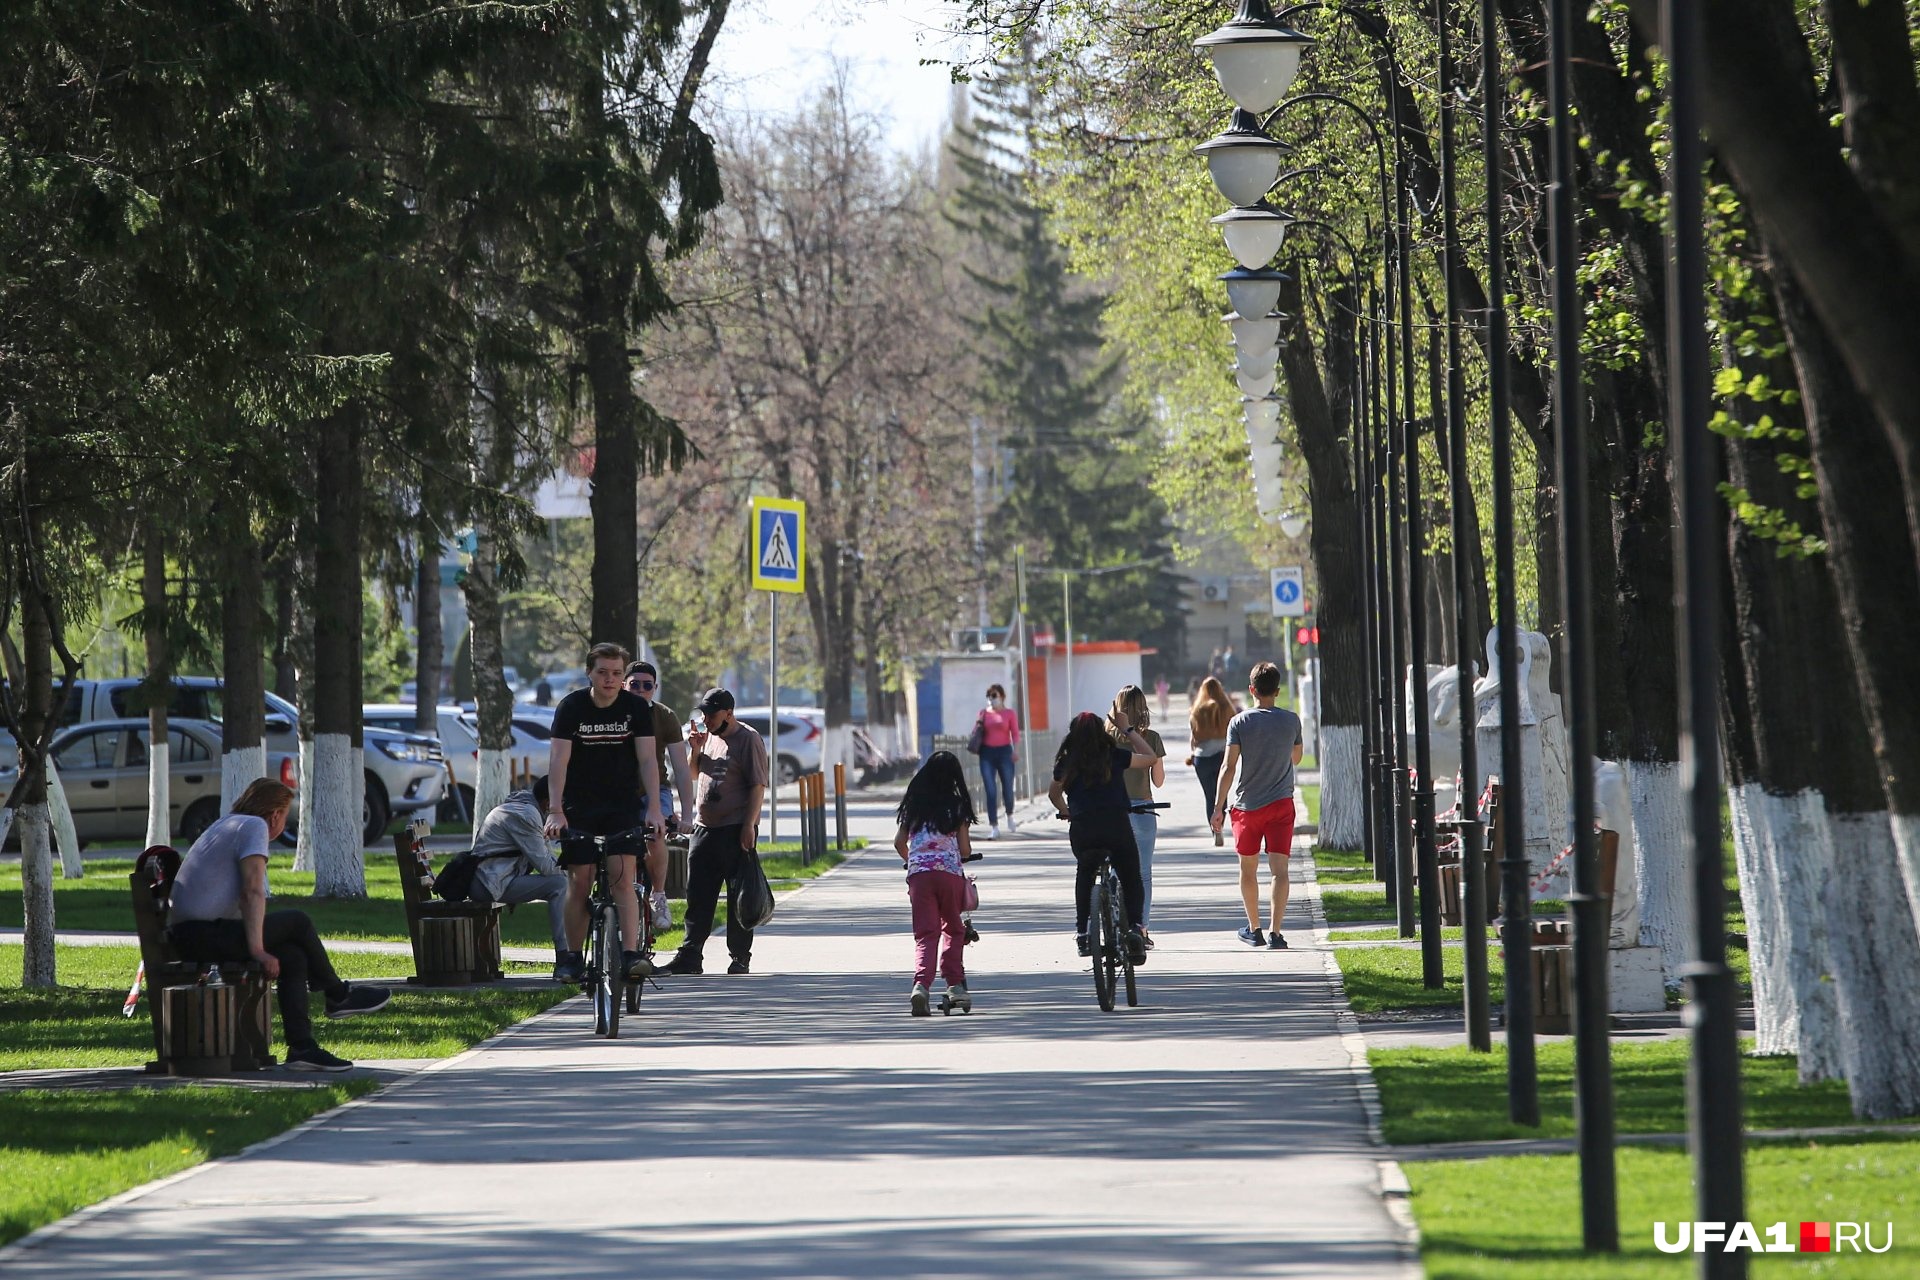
x: 1307, y: 635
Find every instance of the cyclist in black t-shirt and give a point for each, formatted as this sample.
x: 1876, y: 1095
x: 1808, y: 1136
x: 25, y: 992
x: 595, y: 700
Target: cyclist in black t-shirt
x: 602, y: 780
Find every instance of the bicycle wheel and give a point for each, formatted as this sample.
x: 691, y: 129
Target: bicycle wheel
x: 1100, y: 924
x: 607, y: 993
x: 1123, y: 948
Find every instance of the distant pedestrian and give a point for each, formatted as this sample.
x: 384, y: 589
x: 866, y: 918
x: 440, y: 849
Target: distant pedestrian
x: 999, y: 735
x: 1266, y: 739
x: 1215, y: 667
x: 731, y: 761
x: 1160, y: 690
x: 1226, y: 662
x: 933, y: 842
x: 1130, y: 713
x: 1207, y: 736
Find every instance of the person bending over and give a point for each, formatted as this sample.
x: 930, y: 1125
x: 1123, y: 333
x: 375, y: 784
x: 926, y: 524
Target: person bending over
x: 516, y: 864
x: 218, y: 913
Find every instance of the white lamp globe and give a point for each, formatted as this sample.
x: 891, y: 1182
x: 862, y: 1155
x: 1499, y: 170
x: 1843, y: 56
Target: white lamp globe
x: 1263, y: 416
x: 1266, y: 462
x: 1253, y: 293
x: 1255, y: 334
x: 1253, y: 235
x: 1243, y: 161
x: 1254, y: 383
x: 1255, y: 56
x: 1293, y: 524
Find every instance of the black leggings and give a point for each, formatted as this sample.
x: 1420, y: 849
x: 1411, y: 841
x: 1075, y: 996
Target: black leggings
x: 1208, y: 770
x: 1105, y: 833
x: 289, y: 936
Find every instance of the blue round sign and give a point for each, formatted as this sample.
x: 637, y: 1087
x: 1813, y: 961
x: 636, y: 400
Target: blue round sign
x: 1286, y: 591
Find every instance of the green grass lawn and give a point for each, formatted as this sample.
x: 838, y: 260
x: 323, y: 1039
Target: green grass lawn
x: 1345, y: 875
x: 1518, y: 1218
x: 65, y: 1149
x: 1384, y: 978
x: 78, y: 1024
x: 1342, y: 905
x: 1308, y: 796
x: 1452, y: 933
x: 1456, y: 1095
x: 1340, y: 858
x: 100, y: 900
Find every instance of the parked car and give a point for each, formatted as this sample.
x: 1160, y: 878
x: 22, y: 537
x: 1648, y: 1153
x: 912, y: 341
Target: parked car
x: 405, y: 772
x: 798, y: 750
x: 459, y: 738
x: 103, y: 768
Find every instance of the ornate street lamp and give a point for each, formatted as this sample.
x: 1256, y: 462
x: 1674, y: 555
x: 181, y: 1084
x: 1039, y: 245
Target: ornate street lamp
x: 1256, y: 57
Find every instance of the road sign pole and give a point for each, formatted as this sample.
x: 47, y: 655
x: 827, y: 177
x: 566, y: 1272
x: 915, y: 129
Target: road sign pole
x: 773, y: 715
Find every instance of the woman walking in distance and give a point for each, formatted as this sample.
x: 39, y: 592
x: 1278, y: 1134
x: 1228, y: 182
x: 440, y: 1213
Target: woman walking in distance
x: 1130, y: 712
x: 1000, y: 732
x: 1207, y: 723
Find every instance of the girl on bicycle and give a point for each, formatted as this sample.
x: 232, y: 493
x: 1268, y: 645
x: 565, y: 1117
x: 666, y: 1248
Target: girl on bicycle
x: 933, y: 841
x: 1090, y: 791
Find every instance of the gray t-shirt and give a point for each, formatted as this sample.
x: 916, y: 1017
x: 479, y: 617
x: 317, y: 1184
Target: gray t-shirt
x: 1266, y: 737
x: 208, y: 884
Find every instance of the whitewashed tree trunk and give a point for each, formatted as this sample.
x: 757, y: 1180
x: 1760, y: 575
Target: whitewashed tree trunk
x: 65, y: 838
x: 339, y: 782
x: 239, y: 769
x: 836, y: 747
x: 303, y: 859
x: 1875, y: 951
x: 159, y: 793
x: 1796, y: 857
x: 36, y: 892
x: 1776, y: 1018
x: 1906, y: 843
x: 1660, y: 862
x: 1342, y: 802
x: 492, y: 778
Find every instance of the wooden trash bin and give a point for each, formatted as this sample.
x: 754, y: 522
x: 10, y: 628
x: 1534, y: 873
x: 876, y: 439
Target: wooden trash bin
x: 446, y: 951
x: 1553, y: 990
x: 197, y: 1030
x: 1450, y: 899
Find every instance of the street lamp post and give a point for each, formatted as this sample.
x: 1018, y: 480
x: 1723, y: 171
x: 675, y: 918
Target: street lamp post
x: 1593, y: 1068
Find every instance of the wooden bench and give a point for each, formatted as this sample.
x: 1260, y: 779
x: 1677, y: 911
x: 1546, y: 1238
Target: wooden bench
x: 189, y: 1030
x: 454, y: 943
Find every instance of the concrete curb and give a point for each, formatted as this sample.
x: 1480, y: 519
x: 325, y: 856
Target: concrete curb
x: 1394, y: 1190
x: 43, y: 1235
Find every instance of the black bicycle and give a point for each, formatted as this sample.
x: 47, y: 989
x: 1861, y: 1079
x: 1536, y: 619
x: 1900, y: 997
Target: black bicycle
x: 1109, y: 930
x: 606, y: 978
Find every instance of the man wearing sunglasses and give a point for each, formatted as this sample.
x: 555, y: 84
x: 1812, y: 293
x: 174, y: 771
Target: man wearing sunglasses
x: 643, y: 681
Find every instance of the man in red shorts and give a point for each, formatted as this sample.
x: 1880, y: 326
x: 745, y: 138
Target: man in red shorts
x: 1263, y: 746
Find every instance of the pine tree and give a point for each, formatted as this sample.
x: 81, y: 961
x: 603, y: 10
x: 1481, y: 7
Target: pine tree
x: 1078, y: 492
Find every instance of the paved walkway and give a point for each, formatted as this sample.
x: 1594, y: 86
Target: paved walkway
x: 797, y: 1123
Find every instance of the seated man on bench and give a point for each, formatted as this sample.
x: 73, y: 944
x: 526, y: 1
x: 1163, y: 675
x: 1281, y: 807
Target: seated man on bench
x: 219, y: 913
x: 516, y: 864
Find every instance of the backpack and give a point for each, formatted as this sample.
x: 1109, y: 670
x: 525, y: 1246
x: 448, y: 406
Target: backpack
x: 455, y: 881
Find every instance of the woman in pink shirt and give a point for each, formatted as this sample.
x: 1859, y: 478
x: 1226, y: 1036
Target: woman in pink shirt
x: 1000, y: 730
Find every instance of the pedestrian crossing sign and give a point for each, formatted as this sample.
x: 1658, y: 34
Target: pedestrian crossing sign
x: 778, y: 546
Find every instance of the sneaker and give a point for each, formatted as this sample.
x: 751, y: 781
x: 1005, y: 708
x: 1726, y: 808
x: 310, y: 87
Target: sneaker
x: 361, y: 997
x: 1083, y: 943
x: 1252, y: 937
x: 683, y: 962
x: 1275, y: 942
x: 991, y: 833
x: 740, y: 964
x: 956, y: 1000
x: 1148, y: 938
x: 570, y: 967
x: 1137, y: 946
x: 639, y: 967
x: 662, y: 913
x: 917, y: 1002
x: 314, y: 1058
x: 1010, y: 827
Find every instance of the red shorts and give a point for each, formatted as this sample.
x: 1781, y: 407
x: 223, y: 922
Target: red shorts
x: 1271, y: 823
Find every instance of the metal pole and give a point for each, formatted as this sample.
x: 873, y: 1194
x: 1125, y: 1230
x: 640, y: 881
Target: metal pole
x: 1431, y: 965
x: 1713, y: 1085
x: 1384, y: 623
x: 1402, y: 871
x: 1473, y: 914
x: 772, y: 714
x: 1593, y: 1068
x: 1516, y: 907
x: 1362, y: 492
x: 1026, y: 712
x: 1424, y: 855
x: 1066, y: 594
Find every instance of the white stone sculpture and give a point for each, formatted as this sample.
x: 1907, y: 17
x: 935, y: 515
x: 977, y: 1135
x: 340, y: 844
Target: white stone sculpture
x: 1443, y: 711
x: 1540, y: 827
